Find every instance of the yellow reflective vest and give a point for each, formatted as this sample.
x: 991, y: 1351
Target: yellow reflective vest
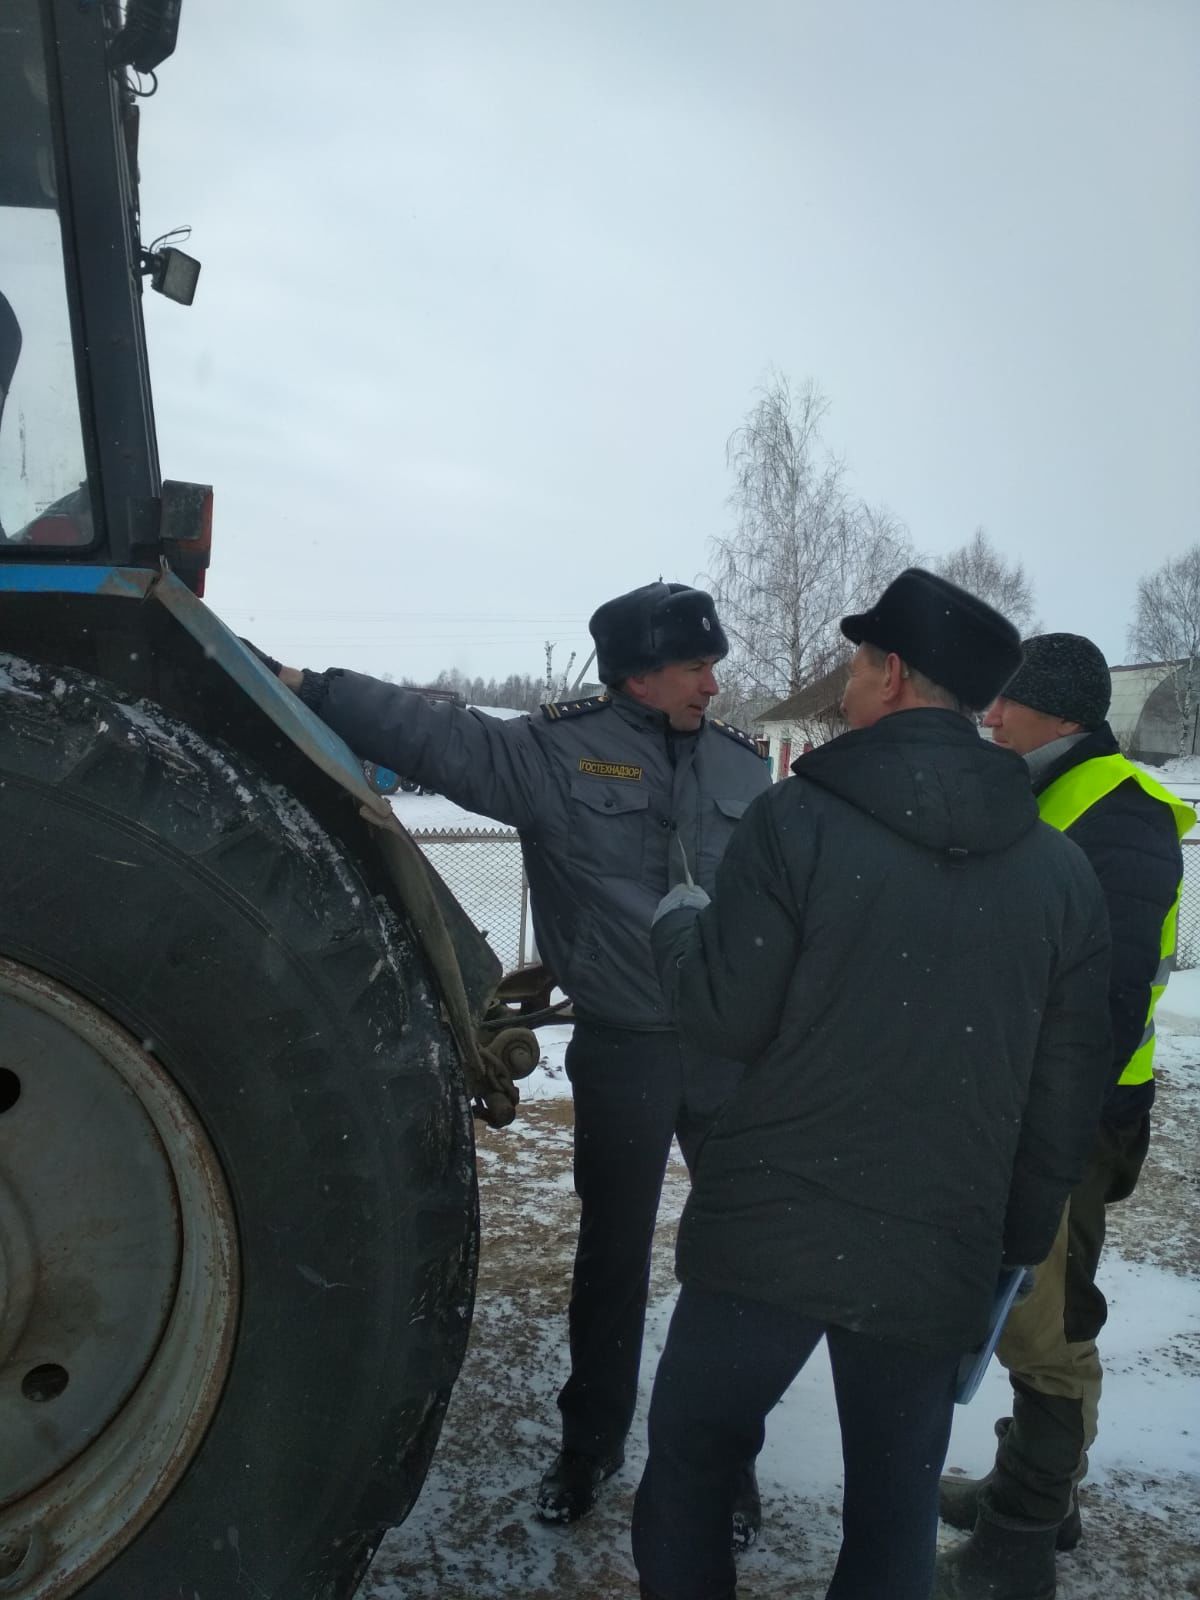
x: 1061, y: 805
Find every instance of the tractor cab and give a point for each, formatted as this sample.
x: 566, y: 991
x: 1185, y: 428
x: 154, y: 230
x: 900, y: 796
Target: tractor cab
x: 79, y: 476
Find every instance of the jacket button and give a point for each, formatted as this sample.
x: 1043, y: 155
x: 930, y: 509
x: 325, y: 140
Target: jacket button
x: 663, y: 823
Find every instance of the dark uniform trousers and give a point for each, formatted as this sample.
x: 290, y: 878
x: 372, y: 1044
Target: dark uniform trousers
x: 633, y: 1092
x: 727, y: 1361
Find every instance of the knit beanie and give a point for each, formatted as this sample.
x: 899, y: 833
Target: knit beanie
x: 1064, y: 675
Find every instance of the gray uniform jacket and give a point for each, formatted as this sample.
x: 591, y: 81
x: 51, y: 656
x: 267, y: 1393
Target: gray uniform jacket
x: 600, y: 790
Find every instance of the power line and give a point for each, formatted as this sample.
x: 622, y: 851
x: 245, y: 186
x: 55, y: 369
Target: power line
x: 308, y: 614
x: 408, y: 635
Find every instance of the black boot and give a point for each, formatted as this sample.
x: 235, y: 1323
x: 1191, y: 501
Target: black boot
x: 569, y: 1487
x: 1037, y: 1468
x: 958, y: 1495
x: 747, y: 1510
x: 1004, y: 1559
x: 958, y: 1506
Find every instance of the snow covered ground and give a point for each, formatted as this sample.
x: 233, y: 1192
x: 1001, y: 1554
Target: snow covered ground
x: 473, y: 1533
x: 421, y: 812
x: 485, y: 874
x: 1181, y: 773
x: 1182, y: 777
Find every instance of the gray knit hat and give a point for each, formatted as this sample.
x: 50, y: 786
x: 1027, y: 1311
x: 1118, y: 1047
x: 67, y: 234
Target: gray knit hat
x: 1064, y: 675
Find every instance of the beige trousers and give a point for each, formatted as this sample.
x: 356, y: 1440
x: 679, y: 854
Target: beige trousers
x: 1034, y: 1345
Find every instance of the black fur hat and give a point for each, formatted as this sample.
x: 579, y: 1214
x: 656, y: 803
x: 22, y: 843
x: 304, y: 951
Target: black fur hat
x: 951, y: 636
x: 1064, y: 675
x: 650, y: 626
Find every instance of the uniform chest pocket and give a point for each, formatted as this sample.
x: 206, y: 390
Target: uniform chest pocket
x: 608, y: 827
x: 720, y: 819
x: 732, y: 810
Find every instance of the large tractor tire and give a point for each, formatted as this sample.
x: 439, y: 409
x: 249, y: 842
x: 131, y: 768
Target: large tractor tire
x: 238, y: 1214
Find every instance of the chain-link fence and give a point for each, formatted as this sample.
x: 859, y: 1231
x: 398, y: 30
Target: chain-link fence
x: 1187, y: 948
x: 483, y: 869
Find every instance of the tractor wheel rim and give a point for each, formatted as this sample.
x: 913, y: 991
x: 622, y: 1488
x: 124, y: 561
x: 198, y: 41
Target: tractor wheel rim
x: 118, y: 1286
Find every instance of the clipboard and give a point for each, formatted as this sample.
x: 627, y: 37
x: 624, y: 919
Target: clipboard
x: 975, y: 1363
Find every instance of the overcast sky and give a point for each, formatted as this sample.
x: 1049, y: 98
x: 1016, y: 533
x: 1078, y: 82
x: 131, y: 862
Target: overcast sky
x: 486, y: 288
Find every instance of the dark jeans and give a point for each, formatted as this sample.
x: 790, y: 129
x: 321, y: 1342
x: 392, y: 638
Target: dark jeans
x: 727, y: 1361
x: 633, y: 1093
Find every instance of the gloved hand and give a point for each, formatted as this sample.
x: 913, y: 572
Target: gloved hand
x: 268, y: 661
x: 683, y: 897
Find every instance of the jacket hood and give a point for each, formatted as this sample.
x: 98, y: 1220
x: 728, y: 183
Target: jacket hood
x: 929, y: 777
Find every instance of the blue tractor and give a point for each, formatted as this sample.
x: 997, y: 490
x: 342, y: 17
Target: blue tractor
x: 242, y: 1026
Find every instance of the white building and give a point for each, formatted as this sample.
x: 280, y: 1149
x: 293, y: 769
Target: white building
x: 1144, y: 715
x: 1132, y: 687
x: 804, y: 720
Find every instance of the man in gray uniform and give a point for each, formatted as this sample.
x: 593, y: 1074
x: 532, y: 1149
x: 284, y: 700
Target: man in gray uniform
x: 611, y: 796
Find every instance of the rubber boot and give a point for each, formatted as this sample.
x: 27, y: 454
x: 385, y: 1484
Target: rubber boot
x: 958, y: 1499
x: 958, y: 1506
x: 1004, y: 1559
x: 747, y: 1510
x: 958, y: 1495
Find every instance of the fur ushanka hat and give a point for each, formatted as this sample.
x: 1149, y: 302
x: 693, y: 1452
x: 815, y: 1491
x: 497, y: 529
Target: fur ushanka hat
x: 653, y: 625
x: 951, y: 636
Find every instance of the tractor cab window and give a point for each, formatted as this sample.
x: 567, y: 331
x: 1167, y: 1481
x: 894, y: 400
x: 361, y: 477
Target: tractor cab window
x: 43, y: 473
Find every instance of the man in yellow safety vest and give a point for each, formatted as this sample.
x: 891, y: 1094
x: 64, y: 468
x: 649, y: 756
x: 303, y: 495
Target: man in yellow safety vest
x: 1129, y: 827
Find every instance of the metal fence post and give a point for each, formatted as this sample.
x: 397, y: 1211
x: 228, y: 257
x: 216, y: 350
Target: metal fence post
x: 524, y: 916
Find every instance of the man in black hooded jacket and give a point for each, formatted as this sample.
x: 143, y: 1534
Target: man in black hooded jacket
x: 913, y: 968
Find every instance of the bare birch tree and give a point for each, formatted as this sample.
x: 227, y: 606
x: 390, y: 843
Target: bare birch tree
x: 980, y: 568
x: 1166, y: 627
x: 804, y: 551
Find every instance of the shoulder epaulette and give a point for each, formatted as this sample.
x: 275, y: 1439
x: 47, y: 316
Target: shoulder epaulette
x: 731, y: 732
x: 557, y: 710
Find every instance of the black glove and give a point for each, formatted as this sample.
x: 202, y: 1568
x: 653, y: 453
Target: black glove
x: 269, y: 661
